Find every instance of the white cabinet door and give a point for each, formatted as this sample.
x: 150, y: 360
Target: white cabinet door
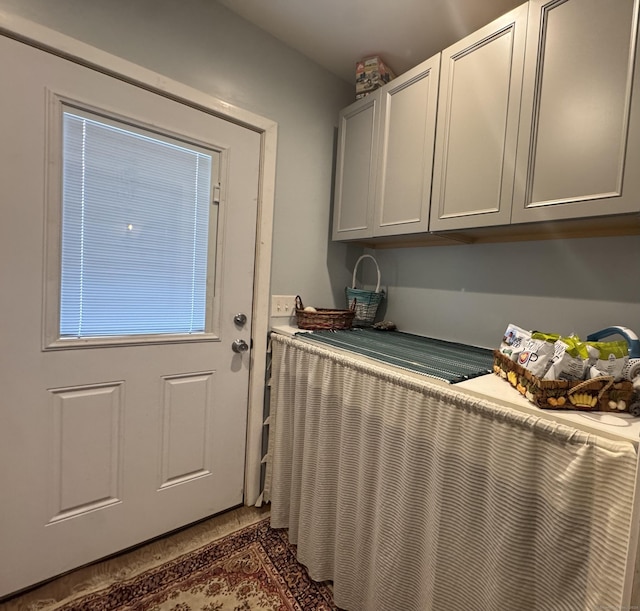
x: 578, y: 155
x: 355, y: 169
x: 405, y: 160
x: 478, y: 113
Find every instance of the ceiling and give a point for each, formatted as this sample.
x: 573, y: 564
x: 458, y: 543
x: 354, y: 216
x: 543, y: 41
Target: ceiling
x: 337, y: 33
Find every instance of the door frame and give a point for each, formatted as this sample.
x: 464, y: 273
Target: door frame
x: 50, y: 41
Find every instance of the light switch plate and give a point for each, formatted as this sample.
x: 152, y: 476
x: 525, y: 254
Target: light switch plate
x: 283, y: 305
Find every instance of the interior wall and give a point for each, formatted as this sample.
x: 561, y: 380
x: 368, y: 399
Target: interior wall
x: 204, y: 45
x: 466, y: 293
x: 470, y: 293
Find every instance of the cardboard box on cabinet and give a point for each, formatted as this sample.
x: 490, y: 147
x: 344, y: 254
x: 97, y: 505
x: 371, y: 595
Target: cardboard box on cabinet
x: 371, y: 73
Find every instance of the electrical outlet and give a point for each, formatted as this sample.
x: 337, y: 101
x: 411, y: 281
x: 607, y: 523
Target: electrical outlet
x: 283, y: 305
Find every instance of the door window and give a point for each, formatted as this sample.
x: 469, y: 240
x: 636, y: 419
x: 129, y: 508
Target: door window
x: 137, y: 219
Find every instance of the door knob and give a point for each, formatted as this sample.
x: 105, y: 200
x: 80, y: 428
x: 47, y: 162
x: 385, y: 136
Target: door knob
x: 240, y: 319
x: 239, y: 346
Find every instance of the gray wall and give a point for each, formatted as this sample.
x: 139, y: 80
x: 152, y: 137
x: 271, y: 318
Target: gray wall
x: 469, y: 293
x: 466, y: 293
x: 202, y: 44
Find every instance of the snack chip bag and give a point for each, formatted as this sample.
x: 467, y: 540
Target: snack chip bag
x: 513, y: 341
x: 536, y: 356
x: 571, y: 359
x: 549, y: 337
x: 612, y: 358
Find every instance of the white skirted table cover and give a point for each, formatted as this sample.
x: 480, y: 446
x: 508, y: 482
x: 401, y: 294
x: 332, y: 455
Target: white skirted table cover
x: 411, y: 496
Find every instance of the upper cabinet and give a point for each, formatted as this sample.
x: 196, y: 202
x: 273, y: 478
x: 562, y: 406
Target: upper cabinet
x: 355, y: 169
x: 408, y: 107
x: 576, y: 155
x: 538, y: 120
x: 478, y: 113
x: 385, y: 157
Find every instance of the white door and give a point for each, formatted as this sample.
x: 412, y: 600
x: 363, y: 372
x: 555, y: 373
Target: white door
x: 106, y: 443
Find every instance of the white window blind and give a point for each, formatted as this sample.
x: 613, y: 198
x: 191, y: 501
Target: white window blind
x: 135, y: 225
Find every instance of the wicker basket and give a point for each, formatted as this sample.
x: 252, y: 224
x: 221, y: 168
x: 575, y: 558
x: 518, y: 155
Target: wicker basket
x: 598, y: 394
x: 324, y: 318
x: 367, y: 302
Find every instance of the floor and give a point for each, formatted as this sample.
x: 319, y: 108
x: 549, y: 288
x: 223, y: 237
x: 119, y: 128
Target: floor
x: 122, y: 566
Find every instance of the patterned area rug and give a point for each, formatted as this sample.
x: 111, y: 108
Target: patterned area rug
x: 254, y: 568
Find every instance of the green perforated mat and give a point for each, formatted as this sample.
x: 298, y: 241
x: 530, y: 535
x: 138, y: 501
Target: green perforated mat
x: 435, y: 358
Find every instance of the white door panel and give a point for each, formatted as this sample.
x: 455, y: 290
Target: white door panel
x: 104, y: 447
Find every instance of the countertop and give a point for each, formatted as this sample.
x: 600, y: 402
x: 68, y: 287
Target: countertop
x: 608, y: 424
x: 494, y: 388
